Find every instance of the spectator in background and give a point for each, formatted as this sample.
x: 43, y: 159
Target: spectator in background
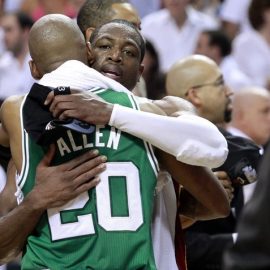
x: 251, y: 114
x: 174, y: 30
x: 234, y: 16
x: 209, y: 7
x: 251, y: 49
x: 12, y: 5
x: 38, y: 8
x: 15, y: 76
x: 216, y: 45
x: 251, y: 250
x: 251, y: 119
x: 146, y: 7
x: 200, y: 81
x: 153, y: 77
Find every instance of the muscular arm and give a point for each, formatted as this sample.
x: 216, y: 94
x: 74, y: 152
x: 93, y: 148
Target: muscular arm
x: 10, y: 129
x: 192, y: 210
x: 193, y: 140
x: 211, y: 198
x: 54, y: 187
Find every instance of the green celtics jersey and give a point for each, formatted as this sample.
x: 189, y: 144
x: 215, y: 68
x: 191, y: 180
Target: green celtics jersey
x: 108, y: 227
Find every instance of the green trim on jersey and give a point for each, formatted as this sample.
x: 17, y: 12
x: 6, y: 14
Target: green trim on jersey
x: 92, y: 231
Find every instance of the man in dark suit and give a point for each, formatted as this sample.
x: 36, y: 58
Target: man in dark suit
x: 200, y: 81
x: 252, y: 248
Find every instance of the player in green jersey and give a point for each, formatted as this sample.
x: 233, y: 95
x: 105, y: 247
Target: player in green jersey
x: 75, y: 146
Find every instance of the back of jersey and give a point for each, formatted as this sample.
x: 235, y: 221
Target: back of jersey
x: 109, y: 226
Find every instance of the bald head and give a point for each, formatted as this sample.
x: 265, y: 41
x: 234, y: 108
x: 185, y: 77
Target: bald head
x: 55, y: 39
x: 247, y: 96
x: 189, y: 72
x: 198, y: 79
x: 251, y: 113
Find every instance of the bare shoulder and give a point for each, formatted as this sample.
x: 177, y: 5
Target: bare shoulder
x: 10, y: 127
x: 10, y: 117
x: 10, y: 108
x: 11, y: 102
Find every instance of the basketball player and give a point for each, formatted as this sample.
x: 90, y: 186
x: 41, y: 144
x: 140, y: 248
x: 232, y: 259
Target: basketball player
x: 60, y: 232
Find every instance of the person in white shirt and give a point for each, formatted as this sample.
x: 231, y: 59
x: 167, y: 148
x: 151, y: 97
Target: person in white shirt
x: 234, y: 16
x: 15, y: 77
x: 146, y: 7
x: 216, y: 45
x: 174, y: 30
x: 251, y: 49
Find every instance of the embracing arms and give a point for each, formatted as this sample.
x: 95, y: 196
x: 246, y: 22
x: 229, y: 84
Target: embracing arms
x: 55, y: 185
x: 191, y: 139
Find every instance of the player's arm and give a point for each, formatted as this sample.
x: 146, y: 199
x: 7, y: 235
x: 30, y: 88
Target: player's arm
x: 4, y: 139
x: 55, y: 185
x: 11, y: 129
x: 169, y: 105
x: 191, y: 139
x: 211, y: 200
x: 192, y: 210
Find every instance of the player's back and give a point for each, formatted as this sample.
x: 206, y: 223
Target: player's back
x: 109, y: 226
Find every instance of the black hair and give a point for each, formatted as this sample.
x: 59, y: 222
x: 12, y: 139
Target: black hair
x: 25, y: 21
x: 255, y: 12
x: 140, y: 41
x: 93, y: 13
x: 149, y: 47
x: 220, y: 39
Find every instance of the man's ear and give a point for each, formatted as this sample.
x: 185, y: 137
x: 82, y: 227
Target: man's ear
x: 193, y: 97
x: 88, y: 33
x: 140, y: 71
x: 90, y: 56
x: 36, y: 74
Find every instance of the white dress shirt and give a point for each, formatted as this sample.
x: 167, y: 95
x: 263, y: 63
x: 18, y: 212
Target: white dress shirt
x: 236, y: 12
x: 252, y: 54
x: 171, y: 42
x: 14, y: 79
x: 233, y: 76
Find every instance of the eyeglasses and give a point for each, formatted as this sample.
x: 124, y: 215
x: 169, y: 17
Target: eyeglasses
x: 218, y: 82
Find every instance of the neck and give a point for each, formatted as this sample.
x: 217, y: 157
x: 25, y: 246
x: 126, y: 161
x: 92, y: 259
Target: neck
x: 180, y: 18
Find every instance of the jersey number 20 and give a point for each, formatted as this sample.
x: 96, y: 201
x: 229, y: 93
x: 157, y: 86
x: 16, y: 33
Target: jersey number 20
x: 84, y: 224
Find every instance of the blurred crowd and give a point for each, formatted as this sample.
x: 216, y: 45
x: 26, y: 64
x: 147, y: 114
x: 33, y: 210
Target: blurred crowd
x: 235, y: 35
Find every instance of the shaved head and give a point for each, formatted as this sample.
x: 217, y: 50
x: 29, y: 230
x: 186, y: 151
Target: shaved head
x: 251, y: 113
x: 198, y: 79
x: 55, y: 39
x: 247, y: 96
x: 189, y: 72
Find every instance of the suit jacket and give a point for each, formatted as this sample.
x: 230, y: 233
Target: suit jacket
x: 252, y: 248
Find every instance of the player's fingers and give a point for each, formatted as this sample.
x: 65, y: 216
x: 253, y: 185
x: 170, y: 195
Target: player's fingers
x: 88, y: 185
x: 89, y: 155
x: 46, y: 161
x: 71, y: 113
x: 49, y: 98
x: 89, y: 169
